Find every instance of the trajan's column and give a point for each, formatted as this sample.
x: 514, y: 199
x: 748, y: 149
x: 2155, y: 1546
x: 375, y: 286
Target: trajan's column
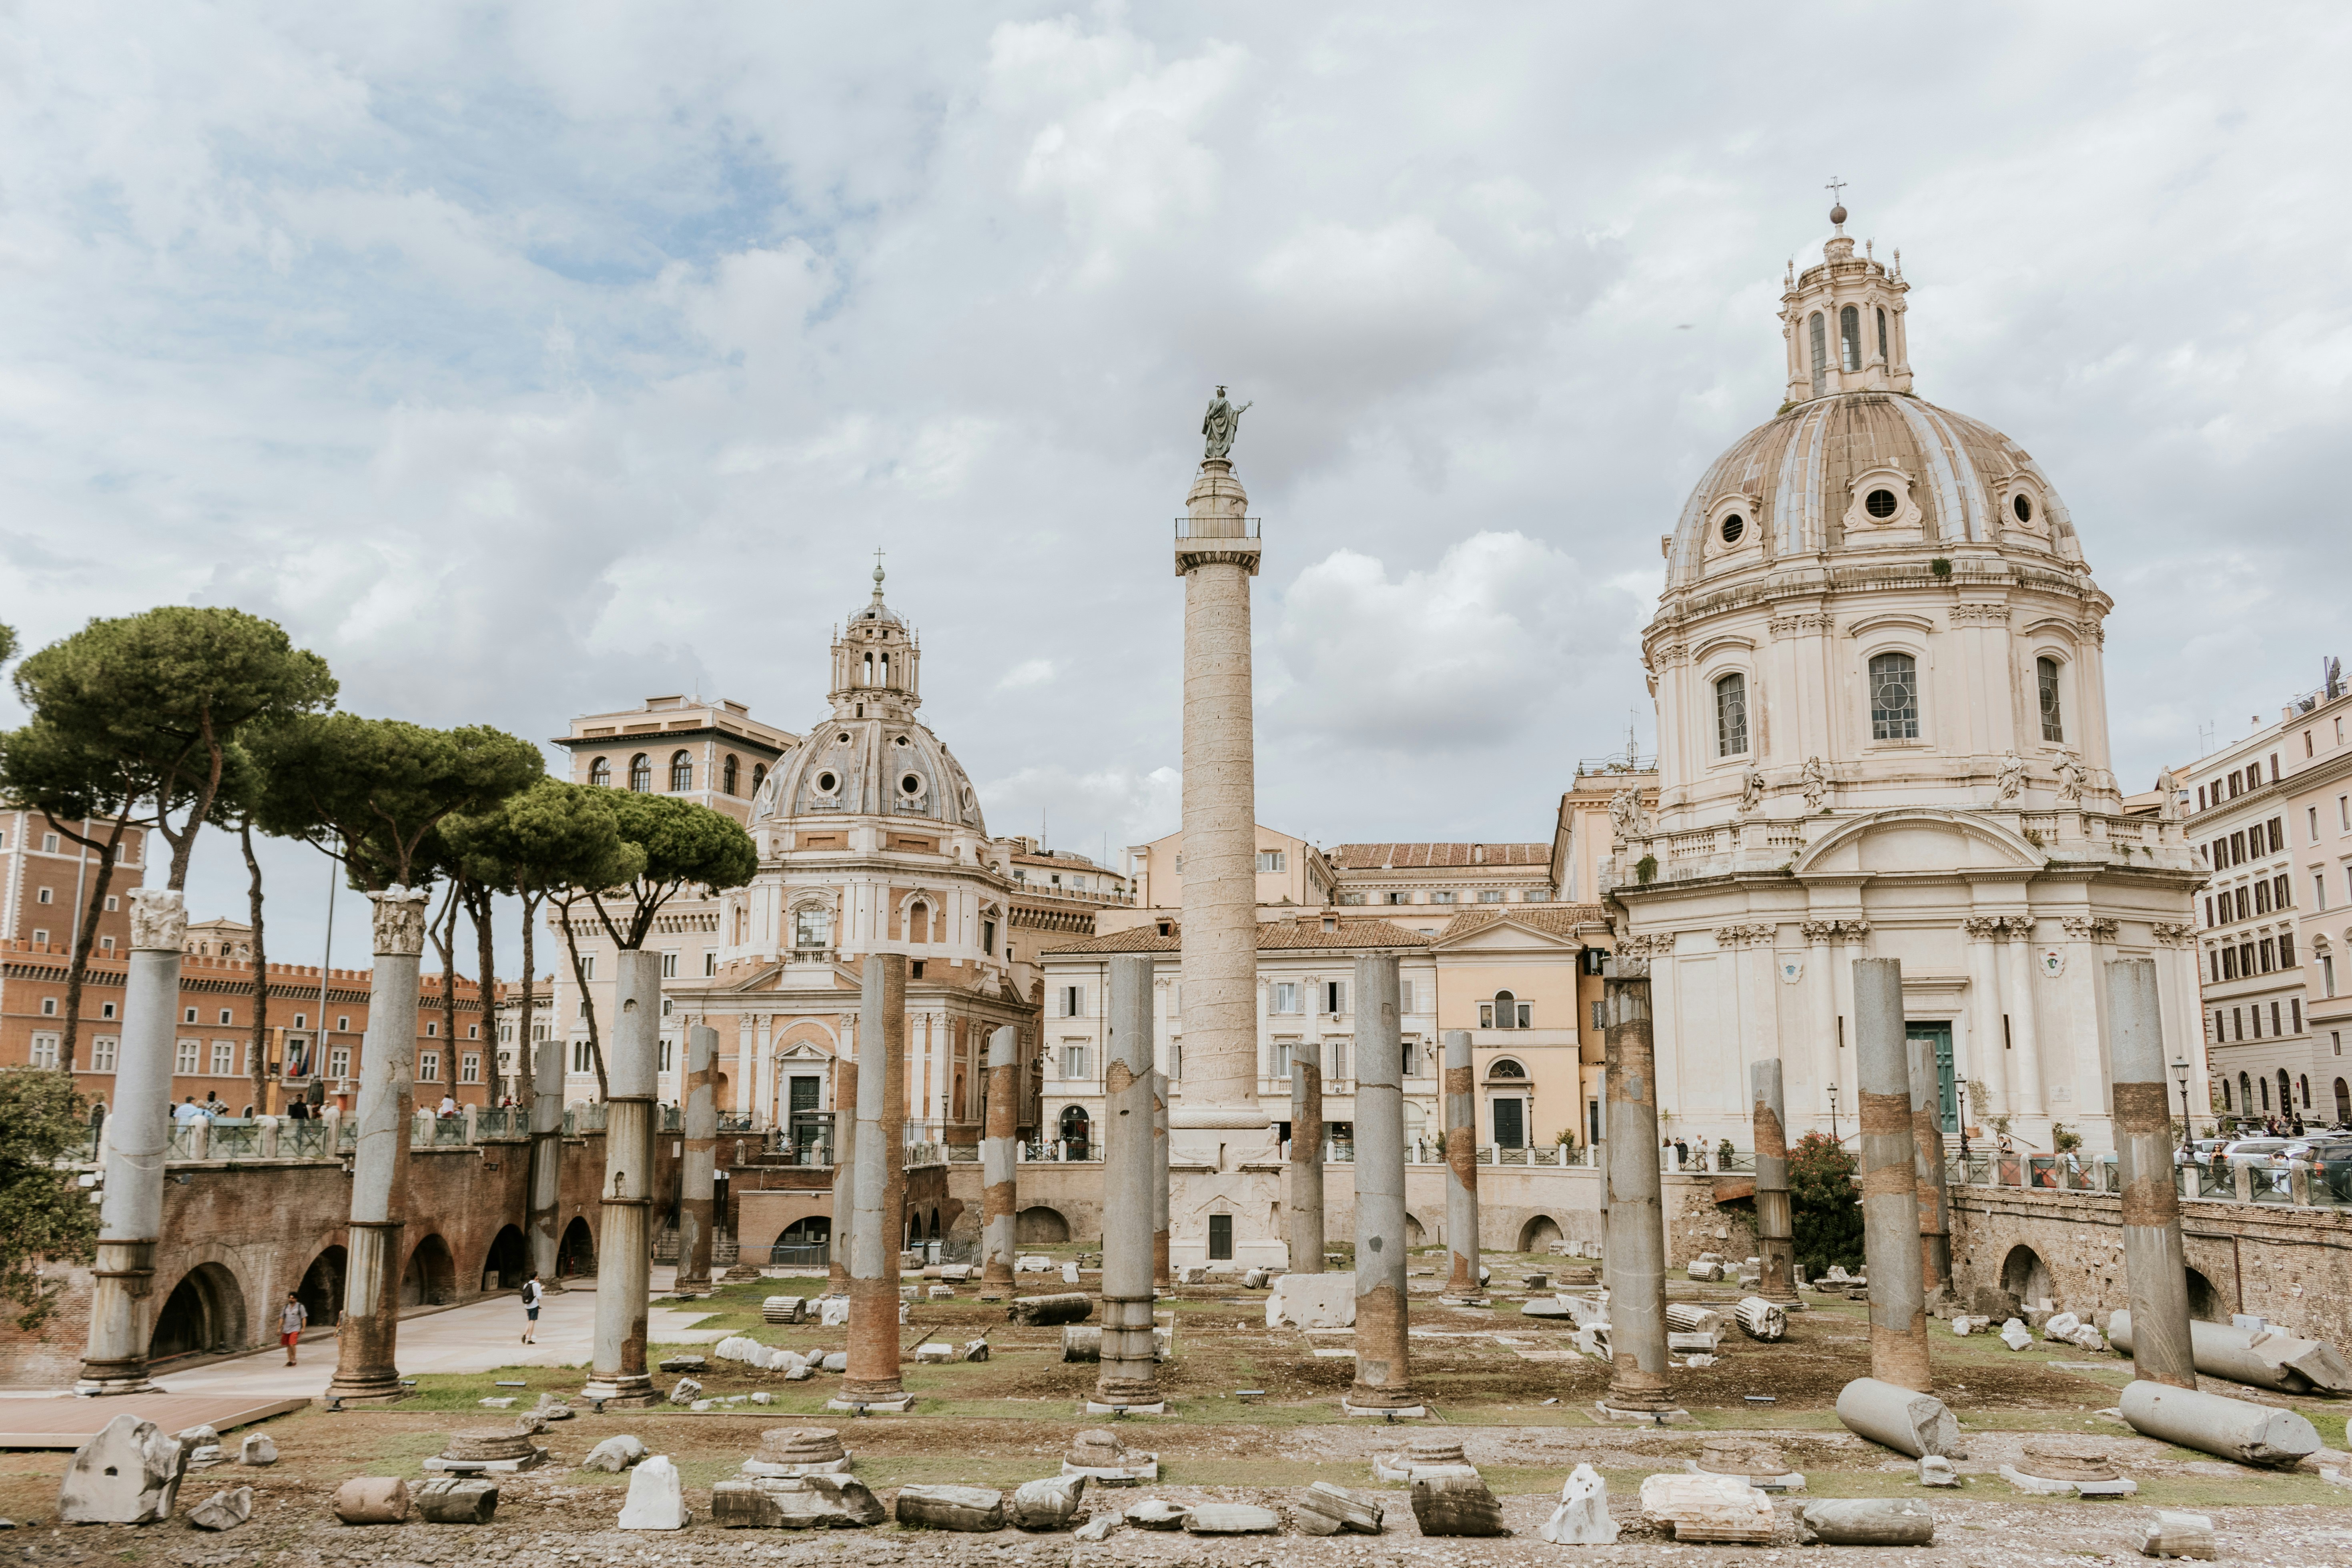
x: 1216, y: 1121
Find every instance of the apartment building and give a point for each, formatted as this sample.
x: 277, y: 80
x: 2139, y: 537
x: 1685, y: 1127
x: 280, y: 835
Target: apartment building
x: 2317, y: 735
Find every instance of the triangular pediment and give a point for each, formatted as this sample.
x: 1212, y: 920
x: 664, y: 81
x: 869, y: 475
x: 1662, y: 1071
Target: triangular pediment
x: 1505, y: 935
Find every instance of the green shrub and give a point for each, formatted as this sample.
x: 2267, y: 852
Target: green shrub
x: 1825, y: 1205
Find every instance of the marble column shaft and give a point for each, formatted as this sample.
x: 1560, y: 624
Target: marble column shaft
x: 880, y: 1228
x: 618, y: 1373
x: 699, y: 1175
x: 1383, y: 1360
x: 1890, y: 1182
x: 845, y: 1174
x: 2155, y: 1266
x: 1000, y: 1196
x: 545, y: 1200
x: 1306, y: 1198
x: 1129, y: 1368
x: 1775, y: 1233
x: 1461, y: 1164
x: 1636, y: 1247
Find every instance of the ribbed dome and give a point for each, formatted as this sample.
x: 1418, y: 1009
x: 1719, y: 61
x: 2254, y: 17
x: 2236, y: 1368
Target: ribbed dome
x: 1866, y: 470
x: 891, y: 767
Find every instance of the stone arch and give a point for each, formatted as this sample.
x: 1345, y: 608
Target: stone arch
x: 204, y: 1315
x: 1538, y: 1233
x: 508, y: 1263
x: 1415, y: 1235
x: 431, y: 1277
x: 1990, y: 843
x: 576, y: 1253
x: 2343, y: 1101
x: 809, y: 1230
x: 2024, y: 1276
x: 2205, y: 1302
x: 1040, y: 1226
x: 322, y: 1290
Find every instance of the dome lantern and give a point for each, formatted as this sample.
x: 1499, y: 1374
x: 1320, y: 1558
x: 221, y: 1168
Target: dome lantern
x: 1843, y: 321
x: 876, y: 662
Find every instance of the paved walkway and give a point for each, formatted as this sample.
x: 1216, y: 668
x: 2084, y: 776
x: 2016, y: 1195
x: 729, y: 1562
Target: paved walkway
x: 473, y: 1338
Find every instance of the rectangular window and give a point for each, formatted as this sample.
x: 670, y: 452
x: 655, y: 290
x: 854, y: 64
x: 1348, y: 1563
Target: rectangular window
x: 2319, y: 891
x: 1537, y: 896
x: 584, y: 1060
x: 1282, y: 1059
x: 2245, y: 910
x: 1335, y: 1058
x: 342, y: 1023
x: 1269, y: 861
x: 469, y: 1067
x: 1490, y: 894
x: 1349, y: 898
x: 1732, y: 716
x: 2295, y: 1013
x: 1486, y: 1015
x: 433, y: 1031
x: 226, y: 1017
x: 2268, y: 953
x: 667, y: 1055
x: 1335, y: 996
x: 44, y: 896
x: 2277, y: 825
x: 2237, y: 848
x: 106, y: 1009
x: 1175, y: 1058
x: 988, y: 937
x: 1074, y: 1001
x: 2275, y: 1020
x: 710, y: 963
x: 48, y: 1007
x: 1894, y: 697
x: 428, y: 1067
x: 48, y: 843
x: 2246, y: 958
x: 301, y: 1020
x: 2209, y: 913
x: 666, y: 1000
x: 670, y: 966
x: 588, y: 967
x: 103, y: 1053
x: 1221, y: 1237
x: 2286, y: 950
x: 1286, y: 996
x: 338, y: 1062
x: 44, y: 1050
x: 1510, y: 1124
x: 2237, y: 1022
x: 2045, y: 674
x: 1527, y: 1014
x: 223, y: 1058
x: 1404, y: 996
x: 188, y: 1016
x: 2261, y: 898
x: 2281, y: 891
x: 2314, y: 825
x: 1073, y: 1061
x: 2220, y: 1026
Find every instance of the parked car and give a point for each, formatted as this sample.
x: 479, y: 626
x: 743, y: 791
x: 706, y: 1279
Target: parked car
x: 2200, y: 1151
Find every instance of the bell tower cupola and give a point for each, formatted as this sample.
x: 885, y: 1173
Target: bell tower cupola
x: 876, y: 662
x: 1843, y: 321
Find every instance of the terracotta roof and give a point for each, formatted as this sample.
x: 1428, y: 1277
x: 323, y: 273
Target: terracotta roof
x: 1419, y: 857
x: 1305, y: 934
x: 1560, y: 920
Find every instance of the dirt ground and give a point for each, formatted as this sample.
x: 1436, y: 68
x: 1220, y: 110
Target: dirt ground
x: 1510, y: 1388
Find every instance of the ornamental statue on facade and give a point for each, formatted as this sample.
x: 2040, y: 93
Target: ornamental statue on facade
x: 2070, y: 779
x: 2011, y: 780
x: 1817, y: 785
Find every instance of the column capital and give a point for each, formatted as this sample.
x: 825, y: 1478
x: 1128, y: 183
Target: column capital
x: 159, y: 919
x: 399, y: 921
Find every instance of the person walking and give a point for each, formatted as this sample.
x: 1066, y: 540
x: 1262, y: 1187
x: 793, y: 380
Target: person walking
x: 292, y: 1319
x: 532, y: 1292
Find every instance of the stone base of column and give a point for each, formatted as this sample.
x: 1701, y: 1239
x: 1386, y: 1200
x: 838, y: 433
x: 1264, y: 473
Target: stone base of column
x: 1619, y: 1415
x: 1095, y: 1406
x: 899, y: 1404
x: 124, y: 1276
x: 631, y: 1390
x: 364, y: 1388
x: 100, y: 1379
x: 740, y: 1271
x: 1355, y: 1403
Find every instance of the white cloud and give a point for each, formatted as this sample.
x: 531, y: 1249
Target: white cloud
x: 1028, y: 672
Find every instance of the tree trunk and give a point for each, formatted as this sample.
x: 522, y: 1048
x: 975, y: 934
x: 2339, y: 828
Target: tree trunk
x: 443, y: 930
x: 526, y: 1045
x: 78, y: 968
x: 587, y: 1003
x: 479, y: 907
x: 260, y: 1047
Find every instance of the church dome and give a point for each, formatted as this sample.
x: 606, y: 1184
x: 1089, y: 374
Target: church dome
x: 1856, y: 471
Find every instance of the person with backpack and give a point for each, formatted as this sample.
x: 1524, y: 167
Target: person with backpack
x: 531, y: 1293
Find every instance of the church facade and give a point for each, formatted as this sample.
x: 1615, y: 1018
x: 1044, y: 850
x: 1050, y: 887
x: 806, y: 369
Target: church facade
x: 1882, y: 732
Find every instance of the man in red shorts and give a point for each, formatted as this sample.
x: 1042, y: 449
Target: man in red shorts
x: 291, y: 1318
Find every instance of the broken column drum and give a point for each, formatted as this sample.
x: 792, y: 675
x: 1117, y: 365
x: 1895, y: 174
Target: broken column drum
x: 2156, y: 1268
x: 1383, y: 1365
x: 617, y: 1371
x: 1161, y: 1277
x: 1000, y: 1195
x: 1461, y: 1164
x: 845, y: 1174
x: 138, y: 1138
x: 1306, y: 1157
x: 1890, y: 1183
x: 546, y: 1160
x: 1130, y: 1373
x: 367, y: 1338
x: 1636, y: 1220
x: 878, y: 1231
x: 1927, y: 1164
x: 698, y: 1176
x: 1775, y: 1230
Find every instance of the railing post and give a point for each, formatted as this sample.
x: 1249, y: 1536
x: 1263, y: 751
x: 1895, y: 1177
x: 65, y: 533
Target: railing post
x: 265, y: 1141
x: 473, y: 1124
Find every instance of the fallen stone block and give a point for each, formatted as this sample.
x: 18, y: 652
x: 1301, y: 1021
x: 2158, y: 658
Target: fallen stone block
x: 1255, y: 1279
x: 784, y: 1308
x: 1069, y: 1273
x: 1708, y: 1508
x: 940, y: 1293
x: 1582, y: 1517
x: 2088, y: 1337
x: 1761, y: 1319
x: 1864, y: 1522
x: 222, y: 1510
x: 128, y: 1473
x: 794, y: 1503
x: 975, y: 1349
x: 1048, y: 1504
x: 1704, y: 1269
x: 2049, y: 1470
x: 798, y: 1451
x: 1682, y: 1317
x: 2016, y: 1335
x: 934, y: 1352
x: 833, y: 1312
x: 2060, y: 1326
x: 1935, y: 1470
x: 657, y: 1497
x: 1456, y: 1505
x: 1755, y: 1460
x: 701, y: 1363
x: 259, y: 1448
x: 551, y: 1408
x: 1327, y: 1510
x: 1543, y: 1307
x: 453, y: 1500
x: 614, y: 1455
x: 1032, y: 1263
x: 2215, y: 1424
x: 1312, y: 1301
x: 685, y: 1391
x: 951, y: 1508
x: 1157, y: 1513
x: 1045, y: 1311
x: 1233, y: 1519
x: 1904, y: 1419
x: 835, y: 1360
x: 1190, y: 1274
x: 372, y: 1499
x: 1963, y: 1325
x: 505, y: 1402
x: 1097, y: 1454
x: 2255, y: 1353
x: 1098, y: 1528
x: 2173, y: 1535
x: 1684, y: 1344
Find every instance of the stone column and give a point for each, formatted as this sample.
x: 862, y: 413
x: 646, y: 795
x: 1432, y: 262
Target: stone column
x: 1890, y: 1184
x: 1461, y: 1164
x: 1217, y: 557
x: 879, y: 1229
x: 2024, y: 1038
x: 1129, y: 1378
x: 699, y: 1175
x: 1383, y: 1362
x: 546, y: 1199
x: 1306, y: 1157
x: 845, y: 1092
x: 1927, y: 1156
x: 1820, y: 1002
x: 999, y: 1159
x: 138, y: 1137
x: 617, y: 1372
x: 367, y: 1337
x: 1775, y: 1233
x: 2156, y: 1268
x: 1636, y: 1250
x: 1162, y: 1276
x: 1986, y: 1062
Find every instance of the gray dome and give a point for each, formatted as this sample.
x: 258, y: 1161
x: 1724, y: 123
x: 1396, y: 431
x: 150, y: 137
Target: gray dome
x: 885, y: 766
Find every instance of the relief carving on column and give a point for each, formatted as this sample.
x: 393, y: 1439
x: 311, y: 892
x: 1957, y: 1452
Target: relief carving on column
x: 400, y: 920
x: 159, y: 919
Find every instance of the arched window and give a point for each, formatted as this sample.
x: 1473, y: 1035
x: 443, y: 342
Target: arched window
x: 2302, y: 1084
x: 2225, y: 1096
x: 1731, y: 715
x: 1894, y: 697
x: 641, y: 774
x: 728, y: 776
x: 681, y: 772
x: 1850, y: 337
x: 1506, y: 1011
x: 2264, y: 1085
x: 2246, y: 1092
x: 868, y: 677
x: 1882, y: 336
x: 1821, y: 355
x: 759, y: 776
x: 918, y: 922
x: 600, y: 774
x: 2286, y: 1100
x: 1505, y: 1067
x: 2046, y: 676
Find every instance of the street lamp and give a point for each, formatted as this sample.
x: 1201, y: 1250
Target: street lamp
x: 1834, y: 1131
x: 2180, y: 1076
x: 1961, y: 1090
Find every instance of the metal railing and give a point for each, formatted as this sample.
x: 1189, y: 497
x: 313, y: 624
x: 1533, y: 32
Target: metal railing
x: 185, y: 1137
x: 1060, y: 1152
x: 1217, y: 527
x: 234, y: 1137
x: 800, y: 1255
x: 499, y: 1121
x: 304, y: 1140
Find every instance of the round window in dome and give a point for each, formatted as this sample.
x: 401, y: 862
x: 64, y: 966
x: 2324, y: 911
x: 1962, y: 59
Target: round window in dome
x: 2022, y: 505
x: 1733, y: 526
x: 842, y: 739
x: 911, y: 785
x: 826, y: 783
x: 1879, y: 504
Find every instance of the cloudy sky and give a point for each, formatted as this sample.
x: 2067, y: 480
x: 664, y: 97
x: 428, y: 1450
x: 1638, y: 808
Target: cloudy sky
x: 529, y: 360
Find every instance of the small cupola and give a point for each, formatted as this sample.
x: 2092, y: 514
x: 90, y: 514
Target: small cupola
x: 876, y: 662
x: 1843, y: 321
